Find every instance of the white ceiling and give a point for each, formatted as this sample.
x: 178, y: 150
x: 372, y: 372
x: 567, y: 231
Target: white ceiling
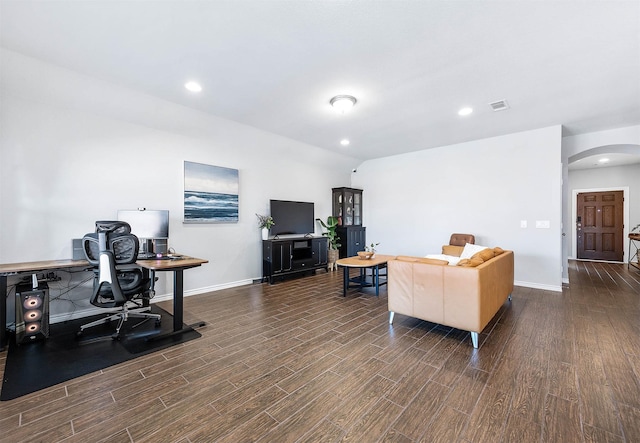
x: 605, y: 161
x: 276, y: 64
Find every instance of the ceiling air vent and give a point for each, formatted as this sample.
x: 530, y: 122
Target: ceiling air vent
x: 500, y: 105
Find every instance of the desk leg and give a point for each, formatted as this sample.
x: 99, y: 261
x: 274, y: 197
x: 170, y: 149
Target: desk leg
x: 3, y: 312
x: 178, y: 299
x: 178, y: 309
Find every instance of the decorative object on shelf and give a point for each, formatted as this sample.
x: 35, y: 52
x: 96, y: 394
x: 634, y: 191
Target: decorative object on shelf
x: 332, y: 236
x: 633, y: 234
x: 265, y: 222
x: 210, y: 194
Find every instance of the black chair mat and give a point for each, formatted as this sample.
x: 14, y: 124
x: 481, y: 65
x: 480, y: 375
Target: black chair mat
x: 62, y: 356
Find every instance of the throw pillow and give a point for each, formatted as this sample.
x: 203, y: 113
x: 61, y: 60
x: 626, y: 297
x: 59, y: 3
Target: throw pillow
x: 470, y: 262
x: 484, y: 255
x: 469, y: 250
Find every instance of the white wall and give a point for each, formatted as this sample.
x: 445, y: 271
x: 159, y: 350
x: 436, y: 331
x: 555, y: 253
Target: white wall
x: 75, y: 149
x: 414, y: 202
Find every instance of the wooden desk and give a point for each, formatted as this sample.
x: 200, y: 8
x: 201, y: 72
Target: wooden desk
x: 375, y: 263
x: 177, y: 266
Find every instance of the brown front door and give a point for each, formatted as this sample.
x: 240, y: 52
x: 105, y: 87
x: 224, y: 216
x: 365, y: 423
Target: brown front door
x: 599, y: 226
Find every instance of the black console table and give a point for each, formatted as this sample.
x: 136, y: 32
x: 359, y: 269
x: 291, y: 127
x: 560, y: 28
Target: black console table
x: 293, y: 255
x: 634, y: 251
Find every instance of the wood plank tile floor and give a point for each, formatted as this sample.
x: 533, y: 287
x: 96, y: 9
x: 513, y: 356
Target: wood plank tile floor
x: 297, y: 362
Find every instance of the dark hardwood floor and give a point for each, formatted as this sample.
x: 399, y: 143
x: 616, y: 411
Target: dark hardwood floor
x: 297, y: 362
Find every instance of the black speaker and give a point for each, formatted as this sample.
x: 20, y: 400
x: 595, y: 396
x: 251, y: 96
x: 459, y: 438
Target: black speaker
x: 32, y: 313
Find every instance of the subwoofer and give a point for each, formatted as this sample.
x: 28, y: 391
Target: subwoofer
x: 32, y: 313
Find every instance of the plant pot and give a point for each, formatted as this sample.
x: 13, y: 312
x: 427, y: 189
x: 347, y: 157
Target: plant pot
x: 333, y: 257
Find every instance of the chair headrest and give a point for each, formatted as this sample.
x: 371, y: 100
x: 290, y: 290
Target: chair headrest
x: 462, y: 239
x: 113, y: 226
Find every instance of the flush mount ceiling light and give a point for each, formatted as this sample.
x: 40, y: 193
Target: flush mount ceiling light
x: 465, y: 111
x: 344, y: 142
x: 604, y: 160
x: 343, y: 103
x: 193, y: 86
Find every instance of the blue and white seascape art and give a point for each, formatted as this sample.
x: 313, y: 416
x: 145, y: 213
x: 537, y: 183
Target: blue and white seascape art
x: 210, y: 194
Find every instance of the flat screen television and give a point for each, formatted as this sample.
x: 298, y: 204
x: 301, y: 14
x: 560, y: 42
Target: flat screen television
x: 292, y: 217
x: 147, y: 224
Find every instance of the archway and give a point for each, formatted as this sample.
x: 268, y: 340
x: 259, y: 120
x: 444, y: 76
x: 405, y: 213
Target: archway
x: 630, y: 208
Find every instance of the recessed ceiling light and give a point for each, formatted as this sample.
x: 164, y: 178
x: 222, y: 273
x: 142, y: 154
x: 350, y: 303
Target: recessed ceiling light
x: 604, y: 160
x: 465, y: 111
x: 343, y: 103
x: 193, y: 86
x: 344, y: 142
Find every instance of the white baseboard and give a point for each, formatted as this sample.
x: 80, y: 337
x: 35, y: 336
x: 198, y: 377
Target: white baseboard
x: 527, y: 284
x: 92, y: 310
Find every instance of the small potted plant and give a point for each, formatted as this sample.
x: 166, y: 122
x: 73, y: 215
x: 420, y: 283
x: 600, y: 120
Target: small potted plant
x: 369, y: 251
x: 332, y: 236
x: 371, y: 248
x: 265, y: 222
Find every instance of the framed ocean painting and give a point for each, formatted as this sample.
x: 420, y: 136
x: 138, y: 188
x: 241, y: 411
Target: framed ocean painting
x: 210, y: 194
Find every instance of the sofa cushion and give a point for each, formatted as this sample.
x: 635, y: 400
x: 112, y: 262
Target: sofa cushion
x: 451, y: 259
x: 469, y: 250
x: 431, y: 260
x: 452, y: 250
x: 406, y: 258
x: 434, y: 261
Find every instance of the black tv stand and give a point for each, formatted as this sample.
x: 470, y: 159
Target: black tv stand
x: 286, y: 256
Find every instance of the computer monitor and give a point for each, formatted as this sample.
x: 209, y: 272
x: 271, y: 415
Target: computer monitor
x: 150, y: 226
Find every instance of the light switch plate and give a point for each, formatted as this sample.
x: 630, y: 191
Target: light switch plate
x: 523, y: 223
x: 543, y: 224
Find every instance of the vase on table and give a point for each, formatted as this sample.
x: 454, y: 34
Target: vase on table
x: 265, y: 234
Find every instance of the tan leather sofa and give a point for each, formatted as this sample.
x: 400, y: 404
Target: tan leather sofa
x: 465, y: 297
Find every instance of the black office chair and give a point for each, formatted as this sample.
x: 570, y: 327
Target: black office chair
x: 118, y: 285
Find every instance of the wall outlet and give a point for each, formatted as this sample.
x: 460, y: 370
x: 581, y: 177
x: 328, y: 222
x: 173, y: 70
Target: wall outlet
x: 523, y: 223
x: 543, y: 224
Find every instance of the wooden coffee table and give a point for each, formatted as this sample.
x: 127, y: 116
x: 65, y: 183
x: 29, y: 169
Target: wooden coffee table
x: 375, y: 263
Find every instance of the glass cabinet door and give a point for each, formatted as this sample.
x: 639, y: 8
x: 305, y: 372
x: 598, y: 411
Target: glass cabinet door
x: 348, y: 209
x: 347, y: 206
x: 337, y: 206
